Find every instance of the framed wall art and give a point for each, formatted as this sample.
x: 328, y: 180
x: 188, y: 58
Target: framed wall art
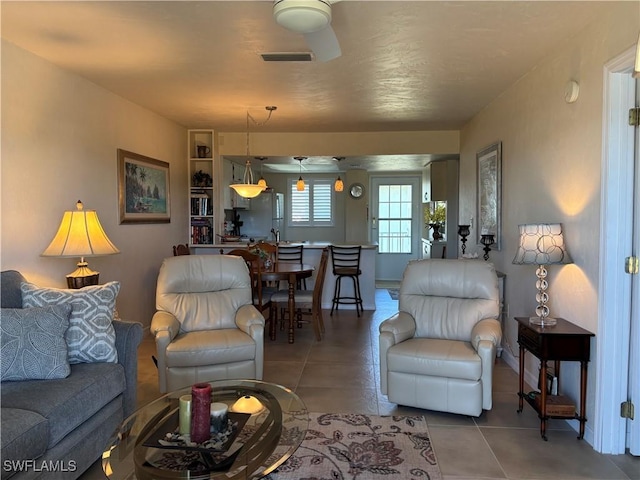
x: 143, y: 189
x: 489, y: 202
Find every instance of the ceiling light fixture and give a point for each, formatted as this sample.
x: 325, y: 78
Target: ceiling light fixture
x: 262, y: 182
x: 247, y: 188
x: 302, y: 16
x: 338, y: 186
x: 300, y: 182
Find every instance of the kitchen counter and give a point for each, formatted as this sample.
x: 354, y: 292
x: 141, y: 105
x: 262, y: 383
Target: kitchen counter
x: 310, y: 245
x: 311, y: 256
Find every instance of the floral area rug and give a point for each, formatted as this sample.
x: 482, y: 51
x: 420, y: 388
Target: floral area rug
x: 362, y: 447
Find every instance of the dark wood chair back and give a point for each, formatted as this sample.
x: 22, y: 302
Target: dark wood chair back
x: 255, y: 267
x: 181, y: 249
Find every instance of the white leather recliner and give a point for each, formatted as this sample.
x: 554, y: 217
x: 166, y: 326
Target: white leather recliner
x: 438, y: 351
x: 206, y: 327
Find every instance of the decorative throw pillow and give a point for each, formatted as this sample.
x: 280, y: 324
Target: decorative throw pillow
x: 91, y: 337
x: 33, y: 344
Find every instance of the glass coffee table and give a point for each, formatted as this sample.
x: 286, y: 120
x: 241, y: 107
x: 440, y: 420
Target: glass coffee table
x: 260, y: 441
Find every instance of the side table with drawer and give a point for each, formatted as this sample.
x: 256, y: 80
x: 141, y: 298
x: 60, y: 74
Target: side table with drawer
x: 564, y: 341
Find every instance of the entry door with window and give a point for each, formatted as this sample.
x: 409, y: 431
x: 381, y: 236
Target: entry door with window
x: 396, y: 216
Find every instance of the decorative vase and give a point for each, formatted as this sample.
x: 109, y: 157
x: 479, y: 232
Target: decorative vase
x: 436, y: 231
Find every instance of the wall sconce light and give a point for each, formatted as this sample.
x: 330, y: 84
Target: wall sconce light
x: 300, y: 182
x: 542, y: 244
x: 487, y: 240
x: 80, y: 234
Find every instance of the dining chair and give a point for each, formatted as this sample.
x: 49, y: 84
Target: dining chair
x: 310, y: 300
x: 292, y: 254
x: 268, y: 253
x: 261, y: 295
x: 346, y: 264
x: 181, y: 249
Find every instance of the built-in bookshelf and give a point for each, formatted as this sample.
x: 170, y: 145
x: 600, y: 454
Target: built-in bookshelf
x: 201, y: 198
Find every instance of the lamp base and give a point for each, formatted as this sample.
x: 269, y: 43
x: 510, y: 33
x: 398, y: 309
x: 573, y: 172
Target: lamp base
x: 83, y: 276
x: 543, y: 321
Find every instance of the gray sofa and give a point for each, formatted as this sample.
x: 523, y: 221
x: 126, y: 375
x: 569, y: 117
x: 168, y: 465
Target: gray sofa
x: 65, y: 424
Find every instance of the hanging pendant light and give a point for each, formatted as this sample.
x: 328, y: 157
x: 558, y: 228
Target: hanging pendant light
x: 262, y: 182
x: 247, y: 188
x: 300, y: 182
x: 338, y: 186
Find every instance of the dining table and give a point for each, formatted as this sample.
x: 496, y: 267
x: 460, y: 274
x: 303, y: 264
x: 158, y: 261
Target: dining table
x: 291, y: 273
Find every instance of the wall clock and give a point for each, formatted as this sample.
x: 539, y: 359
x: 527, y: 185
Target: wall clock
x: 356, y: 190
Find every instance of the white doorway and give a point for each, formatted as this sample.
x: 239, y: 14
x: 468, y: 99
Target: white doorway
x: 396, y: 223
x: 618, y: 355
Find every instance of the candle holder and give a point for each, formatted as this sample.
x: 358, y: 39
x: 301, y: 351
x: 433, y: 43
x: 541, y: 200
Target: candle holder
x: 487, y: 240
x: 463, y: 231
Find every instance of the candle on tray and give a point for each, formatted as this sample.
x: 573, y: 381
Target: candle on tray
x: 185, y: 415
x: 218, y: 417
x: 200, y: 414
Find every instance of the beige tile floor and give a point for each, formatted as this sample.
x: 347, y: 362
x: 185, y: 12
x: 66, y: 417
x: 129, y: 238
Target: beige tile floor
x: 341, y: 374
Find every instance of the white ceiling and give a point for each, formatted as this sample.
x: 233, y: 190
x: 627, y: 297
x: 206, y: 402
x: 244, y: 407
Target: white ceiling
x: 405, y: 65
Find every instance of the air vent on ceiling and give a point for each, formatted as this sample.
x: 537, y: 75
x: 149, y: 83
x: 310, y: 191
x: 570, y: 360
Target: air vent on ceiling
x: 287, y: 57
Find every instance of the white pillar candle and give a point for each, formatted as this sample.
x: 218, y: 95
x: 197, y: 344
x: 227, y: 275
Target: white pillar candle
x: 184, y: 426
x: 218, y: 417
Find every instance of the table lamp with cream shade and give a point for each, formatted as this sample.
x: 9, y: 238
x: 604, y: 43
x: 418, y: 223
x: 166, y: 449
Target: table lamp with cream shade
x: 80, y: 234
x: 542, y: 244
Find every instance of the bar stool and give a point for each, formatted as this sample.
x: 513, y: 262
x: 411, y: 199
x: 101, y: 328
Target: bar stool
x: 346, y: 263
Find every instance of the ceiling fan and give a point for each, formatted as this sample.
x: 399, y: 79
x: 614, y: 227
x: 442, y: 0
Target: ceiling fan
x: 312, y: 18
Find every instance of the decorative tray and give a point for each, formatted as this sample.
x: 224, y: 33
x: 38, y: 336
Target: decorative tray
x: 166, y: 435
x: 167, y: 450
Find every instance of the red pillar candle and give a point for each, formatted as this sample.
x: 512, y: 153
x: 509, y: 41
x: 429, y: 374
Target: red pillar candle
x: 200, y: 413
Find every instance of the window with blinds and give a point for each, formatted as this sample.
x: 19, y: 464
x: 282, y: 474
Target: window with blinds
x: 312, y: 207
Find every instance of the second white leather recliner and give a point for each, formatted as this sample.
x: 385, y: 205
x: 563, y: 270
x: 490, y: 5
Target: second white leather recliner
x: 439, y: 350
x: 206, y: 327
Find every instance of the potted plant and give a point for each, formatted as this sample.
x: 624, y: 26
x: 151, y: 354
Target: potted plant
x: 435, y: 216
x: 202, y: 179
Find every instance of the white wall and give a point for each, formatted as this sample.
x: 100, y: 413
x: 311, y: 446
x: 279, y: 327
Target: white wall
x: 60, y: 134
x: 551, y: 163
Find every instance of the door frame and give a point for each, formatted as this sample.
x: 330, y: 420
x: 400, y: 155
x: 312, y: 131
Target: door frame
x: 416, y: 235
x: 616, y: 224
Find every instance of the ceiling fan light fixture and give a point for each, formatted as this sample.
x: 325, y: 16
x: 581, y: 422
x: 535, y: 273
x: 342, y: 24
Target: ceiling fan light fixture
x: 302, y: 16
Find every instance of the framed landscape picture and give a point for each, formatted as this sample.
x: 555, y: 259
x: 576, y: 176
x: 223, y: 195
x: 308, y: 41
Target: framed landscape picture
x: 143, y: 189
x: 489, y: 175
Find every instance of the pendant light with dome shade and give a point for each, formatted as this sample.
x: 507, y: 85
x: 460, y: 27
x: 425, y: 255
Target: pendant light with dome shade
x: 247, y: 188
x: 300, y: 182
x: 262, y: 182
